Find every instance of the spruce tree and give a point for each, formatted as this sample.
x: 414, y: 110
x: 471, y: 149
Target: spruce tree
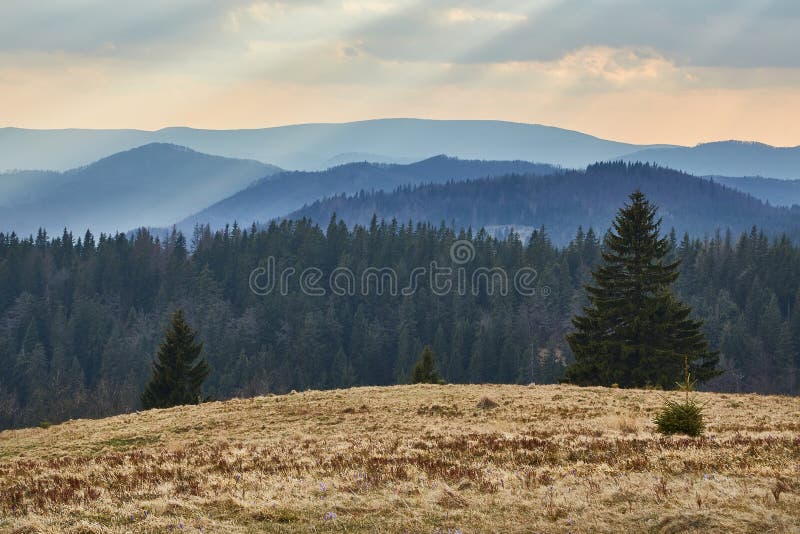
x: 635, y: 333
x: 425, y: 369
x: 177, y: 376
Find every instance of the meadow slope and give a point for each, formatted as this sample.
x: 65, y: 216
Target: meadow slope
x: 453, y: 458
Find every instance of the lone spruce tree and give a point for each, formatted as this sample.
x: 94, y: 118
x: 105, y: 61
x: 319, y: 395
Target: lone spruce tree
x: 177, y: 377
x: 635, y: 333
x: 424, y: 371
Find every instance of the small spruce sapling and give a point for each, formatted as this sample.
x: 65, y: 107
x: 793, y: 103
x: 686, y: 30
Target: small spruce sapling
x: 682, y: 417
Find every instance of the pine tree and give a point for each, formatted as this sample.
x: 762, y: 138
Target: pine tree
x: 634, y: 332
x: 425, y: 369
x: 177, y: 377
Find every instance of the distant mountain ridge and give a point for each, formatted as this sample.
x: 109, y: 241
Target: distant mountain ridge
x: 154, y: 184
x: 727, y: 158
x: 562, y: 202
x: 289, y: 191
x: 320, y: 146
x: 316, y: 146
x: 778, y: 192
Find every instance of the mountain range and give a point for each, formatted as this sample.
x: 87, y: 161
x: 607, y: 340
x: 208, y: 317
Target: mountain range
x: 562, y: 202
x: 168, y: 181
x: 280, y: 194
x: 318, y: 146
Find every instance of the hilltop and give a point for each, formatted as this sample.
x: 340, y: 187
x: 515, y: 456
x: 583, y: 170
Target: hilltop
x: 150, y: 185
x: 466, y: 458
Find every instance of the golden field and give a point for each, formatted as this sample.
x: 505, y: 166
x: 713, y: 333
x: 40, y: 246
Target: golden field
x: 455, y: 458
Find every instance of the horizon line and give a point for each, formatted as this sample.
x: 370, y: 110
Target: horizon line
x: 380, y: 119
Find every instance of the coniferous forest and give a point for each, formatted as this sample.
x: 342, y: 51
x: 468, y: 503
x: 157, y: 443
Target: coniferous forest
x: 562, y: 201
x: 82, y: 317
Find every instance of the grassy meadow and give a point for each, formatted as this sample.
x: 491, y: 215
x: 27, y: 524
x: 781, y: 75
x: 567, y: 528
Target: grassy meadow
x: 435, y: 459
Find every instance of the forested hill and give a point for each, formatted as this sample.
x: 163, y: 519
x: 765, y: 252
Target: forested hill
x: 81, y: 319
x: 286, y: 192
x: 151, y: 185
x: 562, y: 202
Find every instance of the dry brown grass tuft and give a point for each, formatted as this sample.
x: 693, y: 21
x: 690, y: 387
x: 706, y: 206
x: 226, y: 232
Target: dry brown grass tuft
x: 486, y: 404
x: 411, y: 458
x: 626, y: 424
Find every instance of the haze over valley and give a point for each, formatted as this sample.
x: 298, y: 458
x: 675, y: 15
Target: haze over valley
x: 168, y: 182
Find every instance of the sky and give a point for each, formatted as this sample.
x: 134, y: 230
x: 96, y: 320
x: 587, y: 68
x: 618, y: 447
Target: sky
x: 638, y: 71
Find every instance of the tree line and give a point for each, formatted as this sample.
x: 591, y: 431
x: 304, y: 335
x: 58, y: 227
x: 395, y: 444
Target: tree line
x: 81, y: 318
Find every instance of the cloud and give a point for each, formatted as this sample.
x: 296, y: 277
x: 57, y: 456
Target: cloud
x: 259, y: 12
x: 349, y: 51
x: 618, y: 94
x: 477, y: 15
x: 367, y: 6
x: 723, y: 33
x: 617, y: 66
x: 152, y: 63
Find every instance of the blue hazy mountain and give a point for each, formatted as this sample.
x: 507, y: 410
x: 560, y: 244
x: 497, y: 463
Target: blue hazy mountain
x: 26, y: 187
x: 778, y: 192
x: 319, y: 146
x: 726, y: 158
x: 316, y: 146
x: 155, y: 184
x: 562, y: 202
x: 288, y: 191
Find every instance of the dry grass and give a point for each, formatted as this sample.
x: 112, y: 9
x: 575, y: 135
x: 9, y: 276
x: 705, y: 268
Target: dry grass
x: 411, y: 458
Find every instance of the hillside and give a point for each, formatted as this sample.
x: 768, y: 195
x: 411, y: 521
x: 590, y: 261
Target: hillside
x: 22, y: 187
x: 314, y: 146
x: 151, y: 185
x: 727, y: 158
x: 288, y: 191
x: 562, y: 202
x: 411, y: 458
x: 778, y: 192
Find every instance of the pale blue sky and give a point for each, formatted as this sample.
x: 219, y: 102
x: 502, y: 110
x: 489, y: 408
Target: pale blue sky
x: 632, y: 70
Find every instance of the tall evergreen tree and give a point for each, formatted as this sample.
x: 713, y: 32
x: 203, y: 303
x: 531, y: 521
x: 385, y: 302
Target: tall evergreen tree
x: 177, y: 376
x: 634, y: 332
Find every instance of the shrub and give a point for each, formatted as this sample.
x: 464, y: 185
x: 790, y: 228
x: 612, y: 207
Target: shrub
x: 486, y: 404
x: 424, y: 371
x: 681, y: 418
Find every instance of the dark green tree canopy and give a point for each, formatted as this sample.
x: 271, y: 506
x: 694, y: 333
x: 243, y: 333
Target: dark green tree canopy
x: 425, y: 369
x: 96, y: 304
x: 634, y: 332
x: 178, y: 374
